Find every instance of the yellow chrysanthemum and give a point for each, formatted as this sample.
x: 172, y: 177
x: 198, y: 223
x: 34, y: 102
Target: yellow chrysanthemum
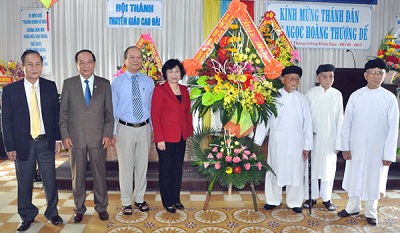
x: 234, y: 26
x: 391, y: 50
x: 235, y: 39
x: 217, y: 89
x: 232, y: 50
x: 390, y: 43
x: 390, y: 37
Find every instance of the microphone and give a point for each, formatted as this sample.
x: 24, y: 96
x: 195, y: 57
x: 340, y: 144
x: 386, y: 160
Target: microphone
x: 354, y: 59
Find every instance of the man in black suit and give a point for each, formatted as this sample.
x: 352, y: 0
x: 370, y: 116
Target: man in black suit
x: 30, y: 110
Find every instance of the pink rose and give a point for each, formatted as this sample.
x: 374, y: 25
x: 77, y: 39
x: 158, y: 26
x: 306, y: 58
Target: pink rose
x: 254, y: 156
x: 206, y: 164
x: 236, y: 151
x: 246, y: 152
x: 217, y: 165
x: 259, y: 165
x: 245, y: 157
x: 219, y: 155
x: 228, y: 159
x: 247, y: 166
x: 210, y: 156
x: 236, y: 159
x: 215, y: 149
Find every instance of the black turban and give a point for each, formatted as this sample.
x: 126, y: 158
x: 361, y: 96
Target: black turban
x: 376, y: 63
x: 325, y: 68
x: 292, y: 70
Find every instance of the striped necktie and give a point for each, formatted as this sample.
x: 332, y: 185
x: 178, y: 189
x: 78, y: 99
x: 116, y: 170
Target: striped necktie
x: 34, y: 114
x: 136, y: 99
x: 88, y: 96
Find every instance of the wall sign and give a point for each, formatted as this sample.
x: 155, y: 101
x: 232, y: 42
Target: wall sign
x: 324, y: 26
x: 134, y: 14
x: 35, y: 36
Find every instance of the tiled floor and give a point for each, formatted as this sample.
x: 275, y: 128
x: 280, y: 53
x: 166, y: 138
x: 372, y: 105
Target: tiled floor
x: 226, y: 213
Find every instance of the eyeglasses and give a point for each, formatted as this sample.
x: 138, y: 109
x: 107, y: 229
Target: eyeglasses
x: 373, y: 72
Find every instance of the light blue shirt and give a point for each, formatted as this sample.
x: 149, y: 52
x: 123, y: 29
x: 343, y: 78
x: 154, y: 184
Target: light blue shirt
x: 122, y: 97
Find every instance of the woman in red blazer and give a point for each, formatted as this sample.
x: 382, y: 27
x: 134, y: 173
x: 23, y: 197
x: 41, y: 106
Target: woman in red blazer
x: 172, y: 125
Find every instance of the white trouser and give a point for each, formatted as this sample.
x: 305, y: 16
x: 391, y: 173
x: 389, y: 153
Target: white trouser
x: 273, y: 194
x: 371, y: 207
x: 325, y: 191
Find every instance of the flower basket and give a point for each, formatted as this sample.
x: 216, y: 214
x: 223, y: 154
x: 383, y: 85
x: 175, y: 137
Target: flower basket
x: 389, y: 51
x: 151, y: 63
x: 234, y: 81
x: 277, y: 40
x: 11, y: 69
x: 228, y: 160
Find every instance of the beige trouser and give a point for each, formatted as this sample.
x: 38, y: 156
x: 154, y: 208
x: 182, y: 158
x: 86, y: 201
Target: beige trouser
x: 133, y: 148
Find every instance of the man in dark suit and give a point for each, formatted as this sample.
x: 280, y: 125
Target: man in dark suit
x: 86, y: 125
x: 30, y: 110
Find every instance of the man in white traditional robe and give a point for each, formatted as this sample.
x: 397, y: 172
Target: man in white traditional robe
x: 289, y: 143
x: 326, y: 105
x: 369, y: 141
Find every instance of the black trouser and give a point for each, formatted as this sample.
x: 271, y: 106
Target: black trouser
x: 170, y: 171
x: 26, y: 171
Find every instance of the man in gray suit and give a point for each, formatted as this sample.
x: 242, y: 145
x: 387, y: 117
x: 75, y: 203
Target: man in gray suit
x: 86, y: 126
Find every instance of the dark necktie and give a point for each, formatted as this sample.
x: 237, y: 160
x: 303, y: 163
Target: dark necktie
x: 88, y: 96
x: 136, y: 99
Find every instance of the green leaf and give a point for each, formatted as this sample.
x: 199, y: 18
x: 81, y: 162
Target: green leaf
x: 192, y: 81
x: 195, y: 93
x: 208, y: 99
x: 219, y: 96
x: 204, y: 110
x: 238, y: 110
x: 196, y: 106
x: 202, y: 81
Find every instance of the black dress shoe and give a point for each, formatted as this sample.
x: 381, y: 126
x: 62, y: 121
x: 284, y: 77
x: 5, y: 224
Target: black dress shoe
x: 24, y: 225
x: 56, y: 220
x: 344, y: 213
x: 103, y: 215
x: 329, y: 205
x: 306, y: 204
x: 179, y: 206
x: 171, y: 209
x: 269, y: 207
x: 78, y: 218
x: 371, y: 221
x: 298, y: 210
